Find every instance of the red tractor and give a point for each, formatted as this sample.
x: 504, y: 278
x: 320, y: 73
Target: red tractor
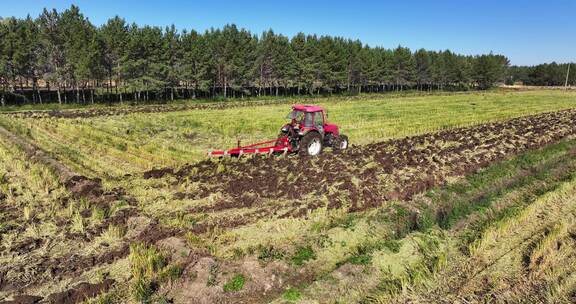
x: 306, y: 134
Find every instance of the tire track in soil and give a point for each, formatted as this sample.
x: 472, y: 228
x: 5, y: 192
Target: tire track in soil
x: 363, y: 177
x: 80, y: 187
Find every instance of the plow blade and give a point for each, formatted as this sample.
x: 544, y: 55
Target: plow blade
x: 279, y: 145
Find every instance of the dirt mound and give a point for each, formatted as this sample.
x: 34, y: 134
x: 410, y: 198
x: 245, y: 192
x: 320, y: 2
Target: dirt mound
x: 80, y: 292
x: 176, y: 247
x: 23, y: 299
x: 81, y: 186
x: 77, y: 294
x: 26, y: 245
x: 158, y: 173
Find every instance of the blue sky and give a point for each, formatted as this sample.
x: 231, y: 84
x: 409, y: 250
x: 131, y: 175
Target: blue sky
x: 528, y: 32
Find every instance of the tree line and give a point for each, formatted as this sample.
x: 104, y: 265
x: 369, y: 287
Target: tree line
x: 548, y: 74
x: 63, y: 57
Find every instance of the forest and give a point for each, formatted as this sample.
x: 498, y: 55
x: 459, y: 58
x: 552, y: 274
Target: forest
x: 62, y: 57
x: 547, y: 74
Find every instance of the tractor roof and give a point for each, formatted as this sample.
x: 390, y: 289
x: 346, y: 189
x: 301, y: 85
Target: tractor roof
x: 307, y: 108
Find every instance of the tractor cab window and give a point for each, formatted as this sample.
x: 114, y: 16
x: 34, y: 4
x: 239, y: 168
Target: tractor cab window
x: 308, y: 119
x: 296, y: 115
x: 318, y: 119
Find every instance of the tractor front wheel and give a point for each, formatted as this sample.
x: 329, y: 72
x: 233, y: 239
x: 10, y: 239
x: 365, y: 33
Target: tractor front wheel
x: 310, y: 144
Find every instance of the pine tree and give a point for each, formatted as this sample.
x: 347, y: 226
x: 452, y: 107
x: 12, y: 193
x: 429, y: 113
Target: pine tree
x: 52, y: 59
x: 403, y: 67
x: 304, y: 52
x: 82, y: 49
x: 196, y: 62
x: 489, y: 69
x: 172, y: 57
x: 423, y: 63
x: 4, y: 75
x: 356, y: 55
x: 114, y: 34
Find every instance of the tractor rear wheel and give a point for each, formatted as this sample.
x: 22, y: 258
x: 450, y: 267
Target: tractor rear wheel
x: 310, y: 144
x: 340, y: 143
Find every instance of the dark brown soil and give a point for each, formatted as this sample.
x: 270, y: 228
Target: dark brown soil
x: 80, y: 292
x: 158, y: 173
x: 77, y: 294
x: 26, y: 245
x: 23, y: 299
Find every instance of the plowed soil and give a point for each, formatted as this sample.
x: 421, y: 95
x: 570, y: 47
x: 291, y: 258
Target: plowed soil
x: 362, y: 177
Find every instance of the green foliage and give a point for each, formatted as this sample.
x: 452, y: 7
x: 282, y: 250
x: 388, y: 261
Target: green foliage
x: 401, y: 220
x: 547, y: 74
x: 291, y: 295
x: 170, y: 273
x: 269, y: 253
x: 392, y: 245
x: 489, y: 69
x: 146, y: 265
x: 426, y: 219
x: 363, y: 253
x: 236, y: 283
x: 143, y: 289
x: 122, y: 146
x: 145, y: 261
x: 348, y: 221
x: 302, y: 255
x: 360, y: 259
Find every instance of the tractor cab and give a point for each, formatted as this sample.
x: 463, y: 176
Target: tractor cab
x: 311, y: 118
x: 309, y: 131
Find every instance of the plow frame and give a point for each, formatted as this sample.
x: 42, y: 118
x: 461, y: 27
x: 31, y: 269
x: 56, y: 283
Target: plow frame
x: 281, y: 144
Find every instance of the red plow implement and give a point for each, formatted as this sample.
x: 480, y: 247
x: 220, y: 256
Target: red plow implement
x: 279, y: 145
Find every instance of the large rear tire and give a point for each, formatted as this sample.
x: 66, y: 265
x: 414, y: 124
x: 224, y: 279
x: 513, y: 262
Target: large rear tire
x: 310, y: 144
x: 340, y: 143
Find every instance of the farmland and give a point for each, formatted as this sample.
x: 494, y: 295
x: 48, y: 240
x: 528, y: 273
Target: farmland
x: 455, y: 197
x: 104, y: 145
